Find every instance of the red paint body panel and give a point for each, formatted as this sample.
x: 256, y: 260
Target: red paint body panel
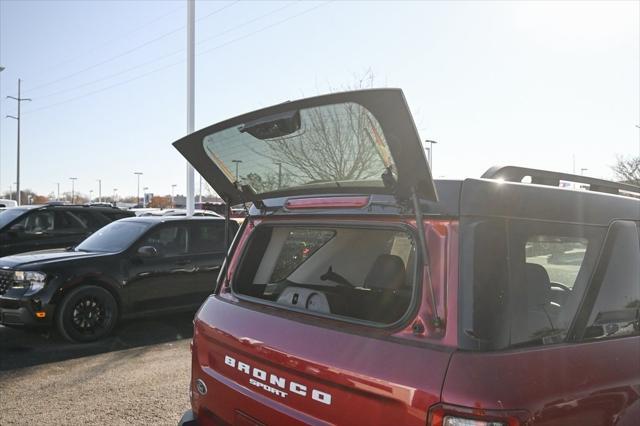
x: 374, y: 376
x: 586, y: 384
x: 371, y: 381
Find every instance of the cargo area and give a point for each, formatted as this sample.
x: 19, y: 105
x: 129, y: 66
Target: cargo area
x: 348, y: 272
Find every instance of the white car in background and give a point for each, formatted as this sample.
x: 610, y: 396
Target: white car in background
x: 5, y: 204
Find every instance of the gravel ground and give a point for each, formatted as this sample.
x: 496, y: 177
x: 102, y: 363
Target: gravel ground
x: 44, y: 380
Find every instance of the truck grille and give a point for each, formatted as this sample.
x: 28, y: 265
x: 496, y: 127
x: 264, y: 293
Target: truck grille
x: 6, y: 279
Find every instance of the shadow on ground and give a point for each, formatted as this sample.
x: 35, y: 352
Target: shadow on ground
x: 24, y: 348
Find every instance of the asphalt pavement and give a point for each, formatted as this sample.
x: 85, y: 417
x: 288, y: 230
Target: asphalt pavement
x: 140, y: 375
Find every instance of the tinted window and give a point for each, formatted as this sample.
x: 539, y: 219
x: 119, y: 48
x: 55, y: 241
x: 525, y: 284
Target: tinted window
x: 298, y: 247
x: 207, y: 237
x: 560, y: 256
x: 67, y: 221
x: 92, y: 220
x: 6, y: 216
x: 616, y: 309
x: 115, y: 214
x: 114, y: 237
x: 528, y: 279
x: 169, y: 240
x: 37, y: 222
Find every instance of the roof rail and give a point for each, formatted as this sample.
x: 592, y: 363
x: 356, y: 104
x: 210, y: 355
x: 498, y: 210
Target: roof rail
x: 544, y: 177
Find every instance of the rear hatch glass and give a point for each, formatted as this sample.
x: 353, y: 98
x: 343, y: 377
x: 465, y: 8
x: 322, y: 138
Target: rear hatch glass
x: 332, y: 145
x: 353, y: 142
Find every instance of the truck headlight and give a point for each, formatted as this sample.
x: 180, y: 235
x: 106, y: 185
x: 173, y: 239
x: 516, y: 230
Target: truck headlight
x: 32, y: 281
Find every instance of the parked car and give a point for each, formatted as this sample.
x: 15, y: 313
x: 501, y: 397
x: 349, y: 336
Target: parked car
x: 361, y: 291
x: 5, y: 204
x: 183, y: 212
x: 131, y: 267
x: 42, y: 227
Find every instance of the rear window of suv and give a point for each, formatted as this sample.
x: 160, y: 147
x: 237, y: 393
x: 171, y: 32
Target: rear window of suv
x: 357, y: 274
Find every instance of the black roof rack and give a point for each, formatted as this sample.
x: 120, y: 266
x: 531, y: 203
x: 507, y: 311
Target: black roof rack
x: 544, y: 177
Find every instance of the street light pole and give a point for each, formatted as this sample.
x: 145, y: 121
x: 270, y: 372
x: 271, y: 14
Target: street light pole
x: 99, y: 190
x: 237, y: 164
x: 58, y: 197
x: 191, y: 36
x: 173, y: 187
x: 73, y: 189
x: 138, y: 174
x: 430, y: 157
x: 115, y: 196
x: 19, y: 100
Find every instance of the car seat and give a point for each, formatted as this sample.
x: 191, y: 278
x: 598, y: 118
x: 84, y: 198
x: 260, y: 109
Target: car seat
x: 387, y: 296
x: 539, y: 316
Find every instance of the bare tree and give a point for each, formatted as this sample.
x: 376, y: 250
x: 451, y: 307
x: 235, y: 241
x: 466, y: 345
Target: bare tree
x: 336, y: 143
x: 628, y: 170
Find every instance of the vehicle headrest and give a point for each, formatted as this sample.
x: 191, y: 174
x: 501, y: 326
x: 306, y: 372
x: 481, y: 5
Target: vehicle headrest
x: 538, y: 285
x: 387, y: 272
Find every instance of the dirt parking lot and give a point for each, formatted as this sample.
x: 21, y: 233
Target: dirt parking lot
x: 140, y: 375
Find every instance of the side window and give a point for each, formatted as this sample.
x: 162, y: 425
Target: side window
x: 88, y: 219
x: 37, y: 222
x: 66, y: 221
x: 207, y: 237
x: 168, y: 240
x: 616, y: 309
x: 560, y: 256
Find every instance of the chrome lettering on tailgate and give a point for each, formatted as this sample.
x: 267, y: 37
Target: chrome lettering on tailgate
x: 277, y: 385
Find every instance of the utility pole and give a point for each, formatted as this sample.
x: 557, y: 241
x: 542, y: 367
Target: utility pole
x: 1, y: 69
x: 73, y: 189
x: 138, y: 174
x: 99, y: 190
x: 19, y: 100
x: 191, y: 36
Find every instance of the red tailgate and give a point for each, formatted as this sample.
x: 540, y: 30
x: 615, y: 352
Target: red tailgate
x: 307, y: 374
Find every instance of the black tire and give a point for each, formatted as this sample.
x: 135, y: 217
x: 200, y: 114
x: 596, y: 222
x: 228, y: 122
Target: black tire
x: 88, y: 313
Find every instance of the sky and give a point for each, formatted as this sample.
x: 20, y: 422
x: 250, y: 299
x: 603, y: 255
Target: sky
x: 551, y: 85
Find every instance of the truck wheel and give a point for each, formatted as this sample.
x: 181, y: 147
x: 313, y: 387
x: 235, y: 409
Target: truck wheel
x: 88, y: 313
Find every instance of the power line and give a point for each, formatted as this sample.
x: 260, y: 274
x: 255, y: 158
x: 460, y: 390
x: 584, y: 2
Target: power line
x: 129, y: 51
x: 207, y: 39
x: 282, y: 21
x: 119, y: 37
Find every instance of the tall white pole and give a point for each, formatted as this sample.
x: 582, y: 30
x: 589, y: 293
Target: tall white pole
x: 191, y: 35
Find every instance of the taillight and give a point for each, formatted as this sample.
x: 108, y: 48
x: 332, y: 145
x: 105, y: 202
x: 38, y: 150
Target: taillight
x: 459, y: 421
x: 450, y: 415
x: 327, y: 203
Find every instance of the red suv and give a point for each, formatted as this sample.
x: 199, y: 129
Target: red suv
x: 361, y: 291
